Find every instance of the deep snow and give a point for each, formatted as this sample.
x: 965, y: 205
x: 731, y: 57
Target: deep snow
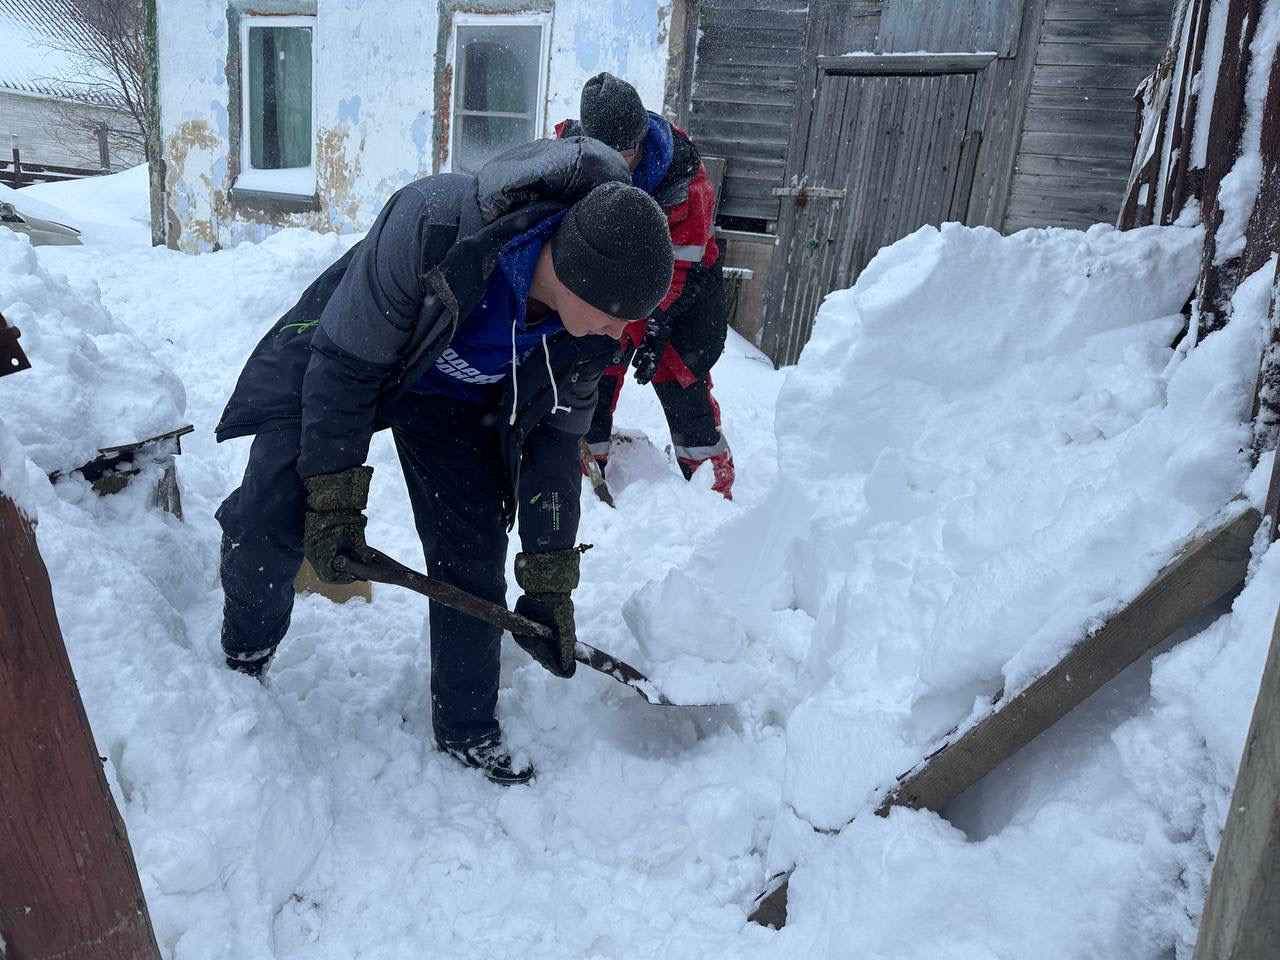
x: 987, y: 445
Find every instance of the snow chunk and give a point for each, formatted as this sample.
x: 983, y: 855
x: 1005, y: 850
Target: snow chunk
x: 676, y: 615
x: 93, y: 384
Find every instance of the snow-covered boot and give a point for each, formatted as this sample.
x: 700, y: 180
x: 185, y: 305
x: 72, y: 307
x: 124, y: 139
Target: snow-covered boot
x: 253, y: 664
x: 489, y: 755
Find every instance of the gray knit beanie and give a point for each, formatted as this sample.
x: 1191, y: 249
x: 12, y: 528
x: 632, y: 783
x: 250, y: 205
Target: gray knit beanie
x: 611, y: 112
x: 613, y: 249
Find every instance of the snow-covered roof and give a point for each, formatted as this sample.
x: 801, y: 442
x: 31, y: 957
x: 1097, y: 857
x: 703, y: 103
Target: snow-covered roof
x: 38, y: 44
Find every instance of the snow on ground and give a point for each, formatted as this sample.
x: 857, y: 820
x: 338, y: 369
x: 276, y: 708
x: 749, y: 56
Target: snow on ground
x: 988, y: 443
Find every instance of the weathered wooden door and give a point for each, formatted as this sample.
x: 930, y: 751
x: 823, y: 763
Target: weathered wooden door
x: 886, y: 154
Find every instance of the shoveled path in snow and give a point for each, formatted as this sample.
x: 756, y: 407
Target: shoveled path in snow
x: 313, y: 818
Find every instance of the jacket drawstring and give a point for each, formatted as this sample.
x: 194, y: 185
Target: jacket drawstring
x: 555, y: 393
x: 515, y: 379
x: 556, y: 406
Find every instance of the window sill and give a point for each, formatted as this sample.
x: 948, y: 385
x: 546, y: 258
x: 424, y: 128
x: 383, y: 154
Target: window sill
x: 271, y: 201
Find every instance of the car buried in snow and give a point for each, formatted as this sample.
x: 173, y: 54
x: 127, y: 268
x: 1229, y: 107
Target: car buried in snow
x: 44, y: 233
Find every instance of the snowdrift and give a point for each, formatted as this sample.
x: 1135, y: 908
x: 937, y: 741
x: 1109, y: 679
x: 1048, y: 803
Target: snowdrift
x: 112, y: 211
x: 988, y: 445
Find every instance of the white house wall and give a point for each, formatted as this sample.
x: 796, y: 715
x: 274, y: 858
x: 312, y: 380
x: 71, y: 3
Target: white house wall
x: 376, y: 90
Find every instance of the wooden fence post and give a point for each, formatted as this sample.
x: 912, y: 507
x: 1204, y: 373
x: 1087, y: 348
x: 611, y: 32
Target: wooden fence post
x: 1241, y: 919
x: 69, y: 887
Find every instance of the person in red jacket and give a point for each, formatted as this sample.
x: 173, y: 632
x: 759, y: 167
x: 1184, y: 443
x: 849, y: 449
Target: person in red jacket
x: 678, y: 345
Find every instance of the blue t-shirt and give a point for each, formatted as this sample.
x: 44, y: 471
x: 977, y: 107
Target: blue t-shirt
x: 479, y: 355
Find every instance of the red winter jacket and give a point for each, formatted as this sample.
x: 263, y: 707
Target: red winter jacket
x: 687, y: 199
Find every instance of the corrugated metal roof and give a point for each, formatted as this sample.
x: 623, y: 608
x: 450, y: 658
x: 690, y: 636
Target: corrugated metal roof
x: 39, y: 40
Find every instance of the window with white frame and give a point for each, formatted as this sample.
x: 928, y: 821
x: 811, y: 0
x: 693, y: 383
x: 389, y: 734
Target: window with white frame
x: 499, y: 85
x: 277, y: 131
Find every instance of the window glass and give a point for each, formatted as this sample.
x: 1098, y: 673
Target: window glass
x: 496, y: 94
x: 279, y: 81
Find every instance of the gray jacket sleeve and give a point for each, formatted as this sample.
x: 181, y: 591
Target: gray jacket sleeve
x: 363, y: 331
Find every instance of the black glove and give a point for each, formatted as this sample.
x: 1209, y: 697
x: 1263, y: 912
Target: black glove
x: 335, y: 521
x: 548, y: 580
x: 657, y: 332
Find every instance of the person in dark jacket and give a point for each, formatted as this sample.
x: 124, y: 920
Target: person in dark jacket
x: 677, y: 346
x: 473, y: 321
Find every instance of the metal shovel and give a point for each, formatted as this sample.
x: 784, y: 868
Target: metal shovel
x: 384, y: 569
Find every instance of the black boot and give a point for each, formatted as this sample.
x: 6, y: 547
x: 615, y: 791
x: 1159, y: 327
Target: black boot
x: 252, y: 664
x: 489, y: 756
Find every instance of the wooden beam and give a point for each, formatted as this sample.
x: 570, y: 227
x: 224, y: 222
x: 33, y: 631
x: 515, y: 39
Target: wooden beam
x: 893, y: 64
x: 69, y: 886
x: 1241, y: 919
x: 1207, y: 569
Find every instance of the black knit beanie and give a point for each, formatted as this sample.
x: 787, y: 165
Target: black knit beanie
x: 613, y: 249
x: 611, y: 112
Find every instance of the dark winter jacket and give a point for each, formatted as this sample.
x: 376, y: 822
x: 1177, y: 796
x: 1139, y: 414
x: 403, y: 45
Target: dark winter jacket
x: 378, y: 318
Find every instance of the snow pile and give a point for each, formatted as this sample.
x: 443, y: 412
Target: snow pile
x: 1096, y: 841
x: 1021, y: 452
x: 988, y: 445
x: 98, y: 385
x: 112, y: 211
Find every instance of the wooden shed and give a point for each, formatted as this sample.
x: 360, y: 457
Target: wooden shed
x: 847, y: 124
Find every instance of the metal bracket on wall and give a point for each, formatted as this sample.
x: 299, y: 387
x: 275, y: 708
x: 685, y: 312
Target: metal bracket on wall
x: 12, y: 359
x: 825, y: 193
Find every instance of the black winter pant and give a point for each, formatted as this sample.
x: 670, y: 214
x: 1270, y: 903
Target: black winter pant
x: 449, y: 452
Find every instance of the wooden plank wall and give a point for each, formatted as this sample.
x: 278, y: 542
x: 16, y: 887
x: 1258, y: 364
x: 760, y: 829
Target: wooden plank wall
x: 952, y: 26
x: 1011, y: 28
x: 747, y: 70
x: 1077, y: 141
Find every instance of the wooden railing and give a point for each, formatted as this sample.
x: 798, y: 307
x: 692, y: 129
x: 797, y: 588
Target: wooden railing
x: 16, y: 172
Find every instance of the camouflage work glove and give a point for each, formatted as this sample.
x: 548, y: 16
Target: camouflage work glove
x: 335, y: 520
x: 548, y: 580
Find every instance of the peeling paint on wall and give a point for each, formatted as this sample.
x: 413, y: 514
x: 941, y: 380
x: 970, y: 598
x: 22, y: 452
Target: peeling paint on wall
x: 382, y: 90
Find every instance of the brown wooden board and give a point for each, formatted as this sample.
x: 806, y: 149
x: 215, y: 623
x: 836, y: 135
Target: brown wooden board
x: 1209, y: 568
x: 1241, y: 919
x: 68, y: 885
